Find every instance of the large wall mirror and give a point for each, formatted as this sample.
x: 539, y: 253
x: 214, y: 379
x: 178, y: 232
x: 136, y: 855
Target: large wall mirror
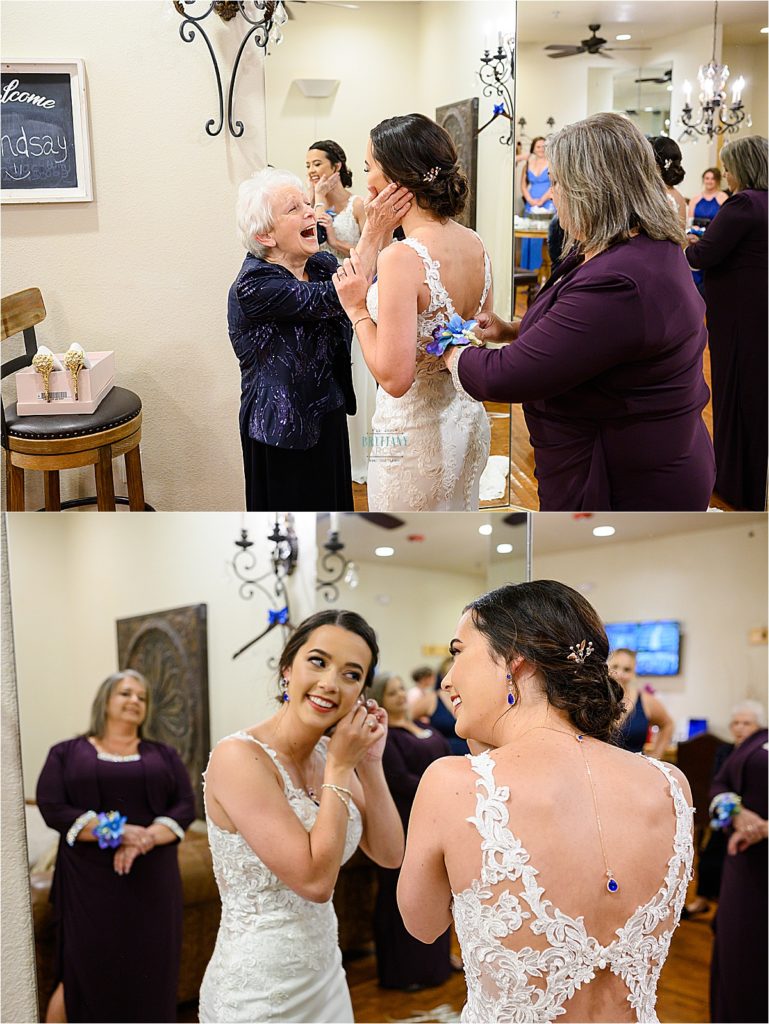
x: 412, y: 574
x: 344, y: 67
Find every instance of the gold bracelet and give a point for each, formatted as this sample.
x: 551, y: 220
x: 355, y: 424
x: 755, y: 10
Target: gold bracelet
x: 360, y: 320
x: 340, y: 790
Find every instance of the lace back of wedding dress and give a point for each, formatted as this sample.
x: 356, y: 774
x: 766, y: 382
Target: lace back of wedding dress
x: 526, y: 960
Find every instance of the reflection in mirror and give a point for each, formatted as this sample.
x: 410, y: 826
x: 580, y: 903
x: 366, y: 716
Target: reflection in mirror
x: 644, y: 95
x: 412, y: 574
x: 343, y: 68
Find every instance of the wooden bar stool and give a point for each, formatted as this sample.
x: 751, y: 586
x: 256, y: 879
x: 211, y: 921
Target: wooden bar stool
x: 49, y: 444
x: 527, y: 279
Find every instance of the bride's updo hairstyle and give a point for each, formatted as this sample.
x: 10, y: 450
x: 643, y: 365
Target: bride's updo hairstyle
x: 417, y: 153
x: 541, y: 621
x: 350, y: 621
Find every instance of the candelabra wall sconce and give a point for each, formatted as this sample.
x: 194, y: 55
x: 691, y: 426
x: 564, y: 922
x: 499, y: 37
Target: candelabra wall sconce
x: 714, y: 116
x: 522, y: 122
x: 496, y: 71
x: 271, y: 582
x: 333, y: 565
x: 265, y: 18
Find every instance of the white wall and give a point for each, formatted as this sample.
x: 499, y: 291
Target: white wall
x: 73, y: 575
x: 713, y: 581
x: 750, y: 62
x: 144, y: 269
x: 387, y: 59
x: 409, y: 609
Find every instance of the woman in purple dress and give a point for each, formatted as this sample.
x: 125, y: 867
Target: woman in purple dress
x: 117, y: 900
x: 738, y: 971
x: 404, y: 962
x: 733, y: 255
x: 608, y: 359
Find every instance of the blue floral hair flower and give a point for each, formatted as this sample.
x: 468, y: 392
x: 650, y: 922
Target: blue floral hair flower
x: 456, y: 332
x: 110, y: 828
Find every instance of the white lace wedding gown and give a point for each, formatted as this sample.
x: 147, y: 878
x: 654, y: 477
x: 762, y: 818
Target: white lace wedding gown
x: 358, y: 426
x: 277, y: 956
x: 513, y: 975
x: 430, y: 446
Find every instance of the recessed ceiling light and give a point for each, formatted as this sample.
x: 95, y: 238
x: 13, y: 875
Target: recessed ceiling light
x: 386, y: 552
x: 669, y: 88
x: 623, y: 38
x: 648, y: 109
x: 603, y: 531
x: 765, y: 30
x: 504, y: 549
x: 486, y: 529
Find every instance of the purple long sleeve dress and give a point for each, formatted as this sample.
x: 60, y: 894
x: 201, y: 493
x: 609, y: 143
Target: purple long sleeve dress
x: 738, y: 970
x: 118, y: 936
x: 733, y: 255
x: 608, y: 366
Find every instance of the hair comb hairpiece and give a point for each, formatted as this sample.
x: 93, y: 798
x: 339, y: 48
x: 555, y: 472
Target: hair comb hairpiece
x: 431, y: 175
x: 580, y: 651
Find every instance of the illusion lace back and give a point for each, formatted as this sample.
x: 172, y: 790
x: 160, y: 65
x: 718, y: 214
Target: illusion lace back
x: 277, y: 957
x: 524, y: 958
x: 430, y: 446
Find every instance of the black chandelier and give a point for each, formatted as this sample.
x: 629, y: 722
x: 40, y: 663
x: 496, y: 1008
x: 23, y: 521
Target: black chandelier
x: 714, y: 117
x: 265, y: 18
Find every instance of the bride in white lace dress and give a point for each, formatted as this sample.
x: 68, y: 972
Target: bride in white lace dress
x: 285, y: 807
x: 429, y: 441
x: 563, y: 859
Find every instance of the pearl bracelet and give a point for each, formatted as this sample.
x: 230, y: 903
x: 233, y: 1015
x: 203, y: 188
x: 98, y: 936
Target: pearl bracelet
x: 340, y: 791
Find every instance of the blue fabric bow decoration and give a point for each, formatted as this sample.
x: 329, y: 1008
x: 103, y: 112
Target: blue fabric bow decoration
x: 456, y: 332
x: 499, y: 108
x: 278, y: 617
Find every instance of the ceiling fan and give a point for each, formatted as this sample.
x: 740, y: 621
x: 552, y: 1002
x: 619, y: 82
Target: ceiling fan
x: 660, y: 80
x: 382, y: 519
x: 595, y: 45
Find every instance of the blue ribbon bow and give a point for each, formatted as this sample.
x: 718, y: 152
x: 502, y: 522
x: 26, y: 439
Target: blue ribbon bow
x: 499, y: 108
x: 278, y: 617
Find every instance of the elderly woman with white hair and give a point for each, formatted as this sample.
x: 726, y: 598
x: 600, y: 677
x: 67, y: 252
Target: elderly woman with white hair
x: 292, y: 339
x: 608, y: 359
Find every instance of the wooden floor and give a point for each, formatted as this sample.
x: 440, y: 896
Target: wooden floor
x: 507, y: 433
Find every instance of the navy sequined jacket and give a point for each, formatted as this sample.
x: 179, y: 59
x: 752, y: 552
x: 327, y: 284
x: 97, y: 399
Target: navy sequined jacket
x: 292, y: 339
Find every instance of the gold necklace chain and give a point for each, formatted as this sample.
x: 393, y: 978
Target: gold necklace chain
x: 612, y: 885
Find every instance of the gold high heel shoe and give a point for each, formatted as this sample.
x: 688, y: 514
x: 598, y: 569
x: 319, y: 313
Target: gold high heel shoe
x: 74, y: 361
x: 43, y: 362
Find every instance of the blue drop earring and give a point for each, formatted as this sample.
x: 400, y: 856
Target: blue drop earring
x: 284, y: 690
x: 510, y: 697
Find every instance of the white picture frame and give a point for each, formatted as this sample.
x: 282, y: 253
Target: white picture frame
x: 49, y: 152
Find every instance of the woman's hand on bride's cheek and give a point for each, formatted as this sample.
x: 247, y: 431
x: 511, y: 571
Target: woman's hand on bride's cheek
x: 386, y: 209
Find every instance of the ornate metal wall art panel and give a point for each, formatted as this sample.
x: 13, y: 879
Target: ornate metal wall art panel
x: 461, y: 122
x: 170, y: 648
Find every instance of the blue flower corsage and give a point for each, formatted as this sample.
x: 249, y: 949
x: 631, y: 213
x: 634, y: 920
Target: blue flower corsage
x: 110, y: 828
x: 456, y: 332
x: 723, y: 809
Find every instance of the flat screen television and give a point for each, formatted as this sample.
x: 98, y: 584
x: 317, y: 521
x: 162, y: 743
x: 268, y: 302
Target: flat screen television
x: 657, y: 645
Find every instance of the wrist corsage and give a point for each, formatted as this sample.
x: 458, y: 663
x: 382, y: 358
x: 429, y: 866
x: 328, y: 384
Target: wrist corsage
x: 110, y: 828
x: 456, y: 332
x: 723, y: 808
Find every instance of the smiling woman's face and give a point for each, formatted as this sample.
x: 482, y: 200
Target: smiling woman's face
x: 476, y: 683
x: 127, y: 703
x: 319, y: 165
x: 293, y: 230
x: 327, y: 675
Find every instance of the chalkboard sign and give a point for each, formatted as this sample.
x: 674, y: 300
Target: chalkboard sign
x: 45, y: 154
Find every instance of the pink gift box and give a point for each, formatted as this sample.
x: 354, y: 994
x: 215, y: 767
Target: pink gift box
x: 94, y: 384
